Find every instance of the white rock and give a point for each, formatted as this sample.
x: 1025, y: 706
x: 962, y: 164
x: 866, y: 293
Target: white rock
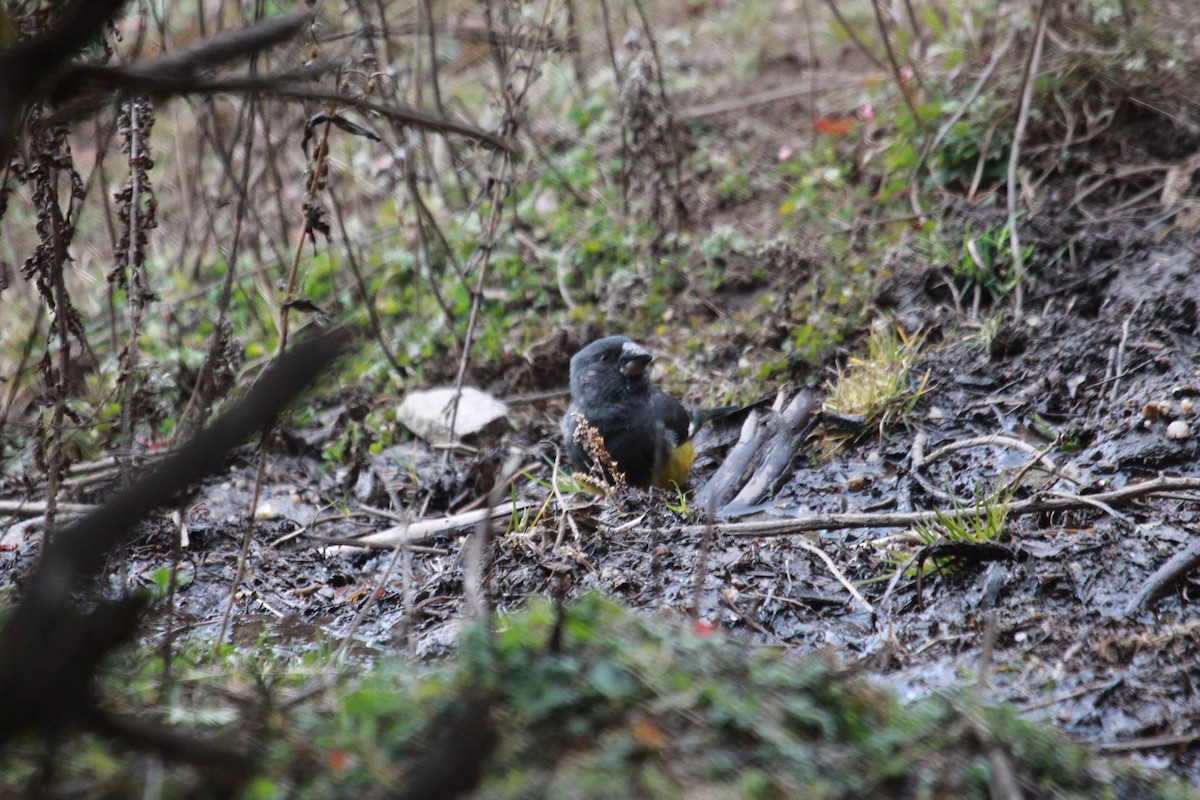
x: 1178, y: 430
x: 427, y: 413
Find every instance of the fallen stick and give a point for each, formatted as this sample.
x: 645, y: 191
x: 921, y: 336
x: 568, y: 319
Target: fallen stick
x: 1165, y: 578
x: 787, y: 430
x: 37, y: 508
x: 428, y: 528
x: 830, y: 522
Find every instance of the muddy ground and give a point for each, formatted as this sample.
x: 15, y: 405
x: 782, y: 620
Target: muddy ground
x: 1110, y: 357
x: 1106, y: 354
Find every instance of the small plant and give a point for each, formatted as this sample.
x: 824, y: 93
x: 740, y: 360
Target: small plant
x: 876, y: 389
x: 723, y: 241
x: 987, y: 329
x: 985, y: 263
x: 735, y: 188
x: 680, y: 506
x: 158, y: 583
x: 985, y: 524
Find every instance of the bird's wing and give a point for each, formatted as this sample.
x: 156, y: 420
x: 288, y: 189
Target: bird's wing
x: 673, y: 416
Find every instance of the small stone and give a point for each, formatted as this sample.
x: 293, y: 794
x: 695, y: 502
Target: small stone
x: 427, y: 413
x: 936, y: 415
x: 857, y: 482
x: 1178, y: 430
x: 1187, y: 406
x: 1153, y: 411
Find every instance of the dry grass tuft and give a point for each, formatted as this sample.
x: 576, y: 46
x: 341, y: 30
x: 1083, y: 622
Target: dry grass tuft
x: 605, y: 478
x: 876, y: 389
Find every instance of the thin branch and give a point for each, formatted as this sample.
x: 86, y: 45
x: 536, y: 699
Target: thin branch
x: 837, y: 573
x: 1119, y: 370
x: 914, y: 186
x: 702, y: 554
x: 854, y: 37
x: 1014, y: 156
x: 367, y: 298
x: 896, y: 73
x: 830, y: 522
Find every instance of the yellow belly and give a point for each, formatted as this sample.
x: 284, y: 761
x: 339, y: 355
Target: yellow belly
x: 674, y: 473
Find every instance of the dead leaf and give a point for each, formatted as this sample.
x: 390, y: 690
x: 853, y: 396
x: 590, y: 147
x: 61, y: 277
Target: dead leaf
x: 834, y: 126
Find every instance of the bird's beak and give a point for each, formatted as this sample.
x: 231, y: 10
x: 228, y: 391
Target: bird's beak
x: 634, y: 359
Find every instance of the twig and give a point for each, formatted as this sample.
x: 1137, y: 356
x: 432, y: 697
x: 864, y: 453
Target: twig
x: 702, y: 561
x: 729, y: 599
x: 1105, y: 507
x: 49, y: 652
x: 1120, y: 366
x: 854, y: 37
x: 811, y: 43
x: 612, y: 48
x: 368, y: 301
x: 991, y: 440
x: 479, y: 543
x: 837, y: 573
x: 562, y: 504
x: 963, y: 107
x: 680, y: 207
x: 1014, y: 156
x: 19, y: 368
x: 1015, y: 481
x: 573, y: 46
x: 830, y: 522
x: 1165, y: 578
x: 896, y: 73
x: 33, y: 508
x: 315, y: 182
x: 500, y: 186
x: 1148, y: 743
x: 1101, y: 686
x: 425, y: 529
x: 376, y: 587
x: 891, y: 587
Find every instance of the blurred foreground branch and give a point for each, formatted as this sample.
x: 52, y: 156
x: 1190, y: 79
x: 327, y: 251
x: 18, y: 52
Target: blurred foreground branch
x: 51, y: 644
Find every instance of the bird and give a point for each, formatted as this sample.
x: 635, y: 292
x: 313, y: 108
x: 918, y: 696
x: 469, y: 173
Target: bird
x: 644, y: 433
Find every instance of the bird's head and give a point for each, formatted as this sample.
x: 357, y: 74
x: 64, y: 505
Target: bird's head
x: 610, y: 368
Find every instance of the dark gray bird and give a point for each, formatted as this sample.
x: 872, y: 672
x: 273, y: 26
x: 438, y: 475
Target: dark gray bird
x: 646, y: 432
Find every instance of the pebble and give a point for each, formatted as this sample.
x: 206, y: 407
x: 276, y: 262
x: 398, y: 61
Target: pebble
x: 1178, y: 430
x: 1154, y: 411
